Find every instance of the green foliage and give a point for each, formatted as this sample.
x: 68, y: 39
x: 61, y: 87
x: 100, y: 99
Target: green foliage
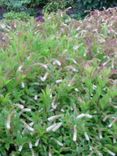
x: 16, y: 16
x: 81, y: 6
x: 15, y: 4
x: 50, y: 5
x: 54, y: 5
x: 57, y: 94
x: 84, y: 6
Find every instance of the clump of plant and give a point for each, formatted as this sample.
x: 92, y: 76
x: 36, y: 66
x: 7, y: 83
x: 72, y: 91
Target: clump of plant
x: 57, y: 90
x: 82, y: 7
x: 15, y: 4
x: 16, y: 16
x: 53, y: 6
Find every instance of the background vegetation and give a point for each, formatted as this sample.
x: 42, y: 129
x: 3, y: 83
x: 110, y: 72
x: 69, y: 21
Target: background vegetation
x: 80, y: 6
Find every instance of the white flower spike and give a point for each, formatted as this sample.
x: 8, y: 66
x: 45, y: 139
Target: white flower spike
x: 75, y: 134
x: 84, y: 115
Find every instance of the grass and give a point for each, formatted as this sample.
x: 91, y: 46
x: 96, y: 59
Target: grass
x: 58, y: 86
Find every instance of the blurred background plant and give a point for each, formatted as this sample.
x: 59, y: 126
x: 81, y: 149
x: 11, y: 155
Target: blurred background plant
x: 12, y: 15
x: 80, y: 7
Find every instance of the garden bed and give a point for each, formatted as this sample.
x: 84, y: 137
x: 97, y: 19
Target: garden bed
x: 58, y: 86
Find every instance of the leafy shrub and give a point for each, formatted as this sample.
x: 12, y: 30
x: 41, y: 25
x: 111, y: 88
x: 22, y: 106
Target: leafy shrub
x: 16, y: 16
x: 15, y: 4
x: 27, y: 5
x: 81, y: 6
x: 87, y: 5
x: 18, y: 5
x: 57, y: 90
x: 53, y: 5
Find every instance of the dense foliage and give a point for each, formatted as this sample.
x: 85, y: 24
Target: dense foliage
x: 21, y: 4
x: 81, y: 6
x: 58, y: 86
x: 12, y: 15
x: 84, y: 6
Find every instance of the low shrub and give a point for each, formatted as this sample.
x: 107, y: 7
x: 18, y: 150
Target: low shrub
x: 53, y: 6
x: 21, y: 4
x: 85, y: 6
x: 81, y: 6
x: 15, y: 4
x: 58, y: 86
x: 16, y: 16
